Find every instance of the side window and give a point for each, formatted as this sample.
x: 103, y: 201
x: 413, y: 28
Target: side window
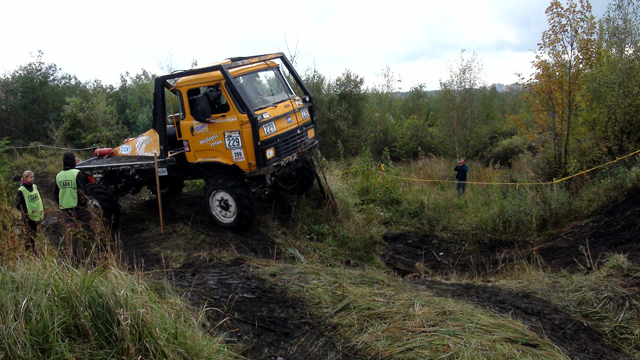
x: 207, y: 101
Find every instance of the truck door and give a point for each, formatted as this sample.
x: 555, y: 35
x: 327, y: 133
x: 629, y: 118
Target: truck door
x: 213, y: 128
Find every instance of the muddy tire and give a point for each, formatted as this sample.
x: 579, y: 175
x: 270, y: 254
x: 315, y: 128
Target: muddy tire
x: 169, y: 187
x: 230, y: 201
x: 299, y: 181
x: 104, y: 203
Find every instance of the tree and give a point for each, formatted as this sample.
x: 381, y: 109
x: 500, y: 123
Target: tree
x: 459, y: 100
x: 31, y: 100
x: 341, y: 119
x: 565, y: 54
x: 611, y: 94
x: 134, y: 101
x: 92, y: 123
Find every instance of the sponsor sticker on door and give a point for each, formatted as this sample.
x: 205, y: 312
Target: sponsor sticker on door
x: 238, y: 155
x: 203, y: 128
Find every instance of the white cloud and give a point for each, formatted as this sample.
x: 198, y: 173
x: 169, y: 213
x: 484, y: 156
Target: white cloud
x: 414, y: 38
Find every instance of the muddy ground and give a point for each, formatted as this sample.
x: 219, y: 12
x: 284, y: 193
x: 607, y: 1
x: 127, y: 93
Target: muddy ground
x: 262, y: 322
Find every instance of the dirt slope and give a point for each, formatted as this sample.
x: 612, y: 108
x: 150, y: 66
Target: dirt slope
x: 615, y: 230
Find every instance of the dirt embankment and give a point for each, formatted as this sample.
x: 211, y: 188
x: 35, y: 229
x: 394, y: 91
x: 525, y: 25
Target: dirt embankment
x: 614, y: 231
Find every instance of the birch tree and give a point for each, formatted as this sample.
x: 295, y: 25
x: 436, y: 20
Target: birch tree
x: 565, y: 54
x: 459, y: 97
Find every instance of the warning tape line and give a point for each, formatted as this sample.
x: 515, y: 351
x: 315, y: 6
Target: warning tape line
x: 47, y: 146
x: 526, y: 183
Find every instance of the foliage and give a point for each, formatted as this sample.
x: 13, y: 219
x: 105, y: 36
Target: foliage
x: 421, y: 196
x: 134, y: 101
x: 611, y: 94
x: 342, y: 116
x: 3, y: 156
x: 90, y: 124
x: 31, y: 100
x: 459, y: 109
x: 565, y: 54
x: 52, y: 310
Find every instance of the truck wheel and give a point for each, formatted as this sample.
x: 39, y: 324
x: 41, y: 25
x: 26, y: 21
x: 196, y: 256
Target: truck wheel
x: 100, y: 198
x: 168, y: 186
x: 230, y: 201
x: 299, y: 181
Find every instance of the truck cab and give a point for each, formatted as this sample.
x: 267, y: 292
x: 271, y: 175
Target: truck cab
x: 243, y: 125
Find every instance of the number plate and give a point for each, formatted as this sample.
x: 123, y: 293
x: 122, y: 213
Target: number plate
x: 269, y: 128
x: 305, y: 114
x: 163, y: 172
x: 232, y: 140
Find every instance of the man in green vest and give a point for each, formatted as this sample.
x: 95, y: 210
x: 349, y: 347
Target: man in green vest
x: 29, y: 202
x: 70, y: 194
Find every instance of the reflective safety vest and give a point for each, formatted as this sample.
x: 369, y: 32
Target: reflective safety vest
x: 68, y: 196
x: 35, y: 210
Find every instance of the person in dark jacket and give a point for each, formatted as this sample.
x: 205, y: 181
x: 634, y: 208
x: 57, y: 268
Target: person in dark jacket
x: 70, y: 195
x: 29, y: 202
x: 461, y: 176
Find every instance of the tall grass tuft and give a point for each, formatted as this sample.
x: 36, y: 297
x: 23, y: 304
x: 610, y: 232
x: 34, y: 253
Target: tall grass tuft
x: 50, y: 310
x: 12, y: 229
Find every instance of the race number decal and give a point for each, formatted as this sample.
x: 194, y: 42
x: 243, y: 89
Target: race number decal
x: 232, y: 140
x: 269, y: 128
x: 238, y: 155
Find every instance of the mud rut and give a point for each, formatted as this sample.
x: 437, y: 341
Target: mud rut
x: 255, y: 317
x: 262, y: 322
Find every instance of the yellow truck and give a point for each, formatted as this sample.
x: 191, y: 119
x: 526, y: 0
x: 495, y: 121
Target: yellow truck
x: 243, y: 125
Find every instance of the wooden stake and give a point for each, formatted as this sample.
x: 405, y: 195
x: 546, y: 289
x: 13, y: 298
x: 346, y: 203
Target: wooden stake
x: 155, y: 163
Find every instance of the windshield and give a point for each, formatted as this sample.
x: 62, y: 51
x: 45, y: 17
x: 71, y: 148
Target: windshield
x: 264, y: 88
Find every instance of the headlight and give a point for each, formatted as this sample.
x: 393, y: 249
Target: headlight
x: 271, y: 152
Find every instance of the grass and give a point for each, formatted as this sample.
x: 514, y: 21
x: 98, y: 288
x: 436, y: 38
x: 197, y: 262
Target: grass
x: 331, y: 263
x: 384, y: 317
x: 40, y: 161
x: 404, y: 198
x: 603, y: 298
x: 52, y: 310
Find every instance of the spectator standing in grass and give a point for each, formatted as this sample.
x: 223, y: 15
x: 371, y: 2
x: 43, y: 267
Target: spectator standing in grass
x: 461, y: 176
x: 29, y: 202
x: 70, y: 194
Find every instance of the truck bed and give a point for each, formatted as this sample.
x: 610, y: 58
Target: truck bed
x: 122, y: 162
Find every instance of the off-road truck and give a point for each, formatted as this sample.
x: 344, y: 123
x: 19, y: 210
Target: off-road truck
x: 243, y: 125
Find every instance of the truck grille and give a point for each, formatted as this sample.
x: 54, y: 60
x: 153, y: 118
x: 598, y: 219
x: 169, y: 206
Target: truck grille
x: 289, y: 146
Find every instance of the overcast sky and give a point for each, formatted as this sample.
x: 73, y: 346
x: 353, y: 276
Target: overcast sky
x: 415, y: 39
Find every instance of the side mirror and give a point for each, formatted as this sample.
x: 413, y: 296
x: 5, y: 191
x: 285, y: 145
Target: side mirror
x: 203, y: 109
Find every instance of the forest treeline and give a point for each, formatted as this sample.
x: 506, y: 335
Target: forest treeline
x: 580, y: 107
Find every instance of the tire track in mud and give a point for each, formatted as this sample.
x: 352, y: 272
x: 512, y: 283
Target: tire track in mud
x: 575, y: 338
x: 263, y: 323
x: 404, y: 252
x: 256, y: 316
